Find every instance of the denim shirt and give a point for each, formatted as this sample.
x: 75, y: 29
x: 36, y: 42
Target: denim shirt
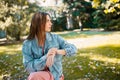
x: 34, y: 60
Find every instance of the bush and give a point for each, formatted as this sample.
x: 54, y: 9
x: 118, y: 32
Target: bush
x: 13, y: 32
x: 59, y: 24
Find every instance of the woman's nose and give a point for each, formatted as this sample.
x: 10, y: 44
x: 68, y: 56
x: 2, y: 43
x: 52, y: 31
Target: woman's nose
x: 50, y: 23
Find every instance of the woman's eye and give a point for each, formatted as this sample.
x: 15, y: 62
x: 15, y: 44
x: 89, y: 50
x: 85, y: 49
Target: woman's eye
x: 51, y: 21
x: 48, y: 20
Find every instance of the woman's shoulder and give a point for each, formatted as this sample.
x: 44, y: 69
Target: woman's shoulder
x: 27, y: 42
x: 55, y: 35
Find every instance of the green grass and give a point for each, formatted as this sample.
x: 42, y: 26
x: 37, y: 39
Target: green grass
x: 100, y: 63
x: 93, y: 63
x: 11, y: 62
x: 84, y: 34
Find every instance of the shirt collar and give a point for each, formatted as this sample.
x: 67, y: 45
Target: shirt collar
x: 48, y: 36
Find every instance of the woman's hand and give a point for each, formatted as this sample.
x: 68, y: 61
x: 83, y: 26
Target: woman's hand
x: 50, y: 56
x: 50, y: 61
x: 52, y: 51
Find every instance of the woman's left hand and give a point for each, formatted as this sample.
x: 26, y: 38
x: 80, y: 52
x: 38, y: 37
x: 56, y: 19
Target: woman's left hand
x: 50, y: 60
x: 50, y: 56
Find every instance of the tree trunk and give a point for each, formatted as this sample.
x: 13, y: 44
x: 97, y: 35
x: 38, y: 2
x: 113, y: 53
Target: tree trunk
x: 69, y: 22
x: 17, y: 36
x: 80, y: 23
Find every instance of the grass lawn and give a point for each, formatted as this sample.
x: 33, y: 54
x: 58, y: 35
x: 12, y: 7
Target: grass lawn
x: 11, y: 62
x: 98, y: 63
x: 90, y: 63
x: 84, y: 34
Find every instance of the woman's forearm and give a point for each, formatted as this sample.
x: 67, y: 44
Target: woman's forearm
x: 62, y: 52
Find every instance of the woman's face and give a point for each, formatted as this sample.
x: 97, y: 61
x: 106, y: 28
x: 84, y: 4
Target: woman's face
x: 48, y: 24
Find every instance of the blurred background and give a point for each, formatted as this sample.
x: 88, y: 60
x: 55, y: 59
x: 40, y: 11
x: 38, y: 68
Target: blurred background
x: 93, y: 26
x: 15, y: 15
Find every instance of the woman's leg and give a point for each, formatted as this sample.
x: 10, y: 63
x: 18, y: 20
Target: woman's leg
x: 41, y: 75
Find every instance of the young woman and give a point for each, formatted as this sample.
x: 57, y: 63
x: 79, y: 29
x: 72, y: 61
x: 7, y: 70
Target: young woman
x: 43, y: 50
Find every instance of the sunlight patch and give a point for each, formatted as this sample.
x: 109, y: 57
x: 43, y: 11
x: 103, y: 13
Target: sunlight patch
x: 101, y: 58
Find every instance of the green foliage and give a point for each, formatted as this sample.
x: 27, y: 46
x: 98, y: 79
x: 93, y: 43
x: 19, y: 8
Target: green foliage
x: 59, y: 24
x: 13, y: 31
x: 13, y: 14
x: 81, y: 9
x: 107, y: 14
x: 109, y: 22
x: 114, y: 25
x: 99, y: 19
x: 16, y: 2
x: 15, y: 17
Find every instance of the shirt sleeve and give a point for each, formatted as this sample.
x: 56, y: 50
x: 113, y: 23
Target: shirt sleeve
x: 31, y: 64
x: 68, y: 47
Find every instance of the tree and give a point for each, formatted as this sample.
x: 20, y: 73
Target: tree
x: 12, y: 17
x: 15, y: 17
x: 80, y: 11
x: 107, y: 14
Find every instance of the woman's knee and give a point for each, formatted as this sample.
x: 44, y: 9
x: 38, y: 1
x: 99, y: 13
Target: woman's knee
x: 41, y: 75
x: 34, y: 76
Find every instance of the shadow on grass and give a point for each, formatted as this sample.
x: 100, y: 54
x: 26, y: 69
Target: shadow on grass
x: 84, y: 67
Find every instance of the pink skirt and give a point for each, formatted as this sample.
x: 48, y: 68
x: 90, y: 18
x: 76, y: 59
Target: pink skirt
x: 42, y: 75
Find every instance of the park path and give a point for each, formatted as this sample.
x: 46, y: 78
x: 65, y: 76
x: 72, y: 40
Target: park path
x: 91, y: 41
x: 95, y: 41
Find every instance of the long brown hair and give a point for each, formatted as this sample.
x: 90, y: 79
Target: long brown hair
x: 37, y: 27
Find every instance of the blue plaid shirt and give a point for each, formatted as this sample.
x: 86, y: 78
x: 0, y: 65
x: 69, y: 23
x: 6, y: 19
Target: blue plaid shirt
x: 34, y: 60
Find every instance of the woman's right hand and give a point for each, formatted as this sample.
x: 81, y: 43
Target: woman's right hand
x: 52, y: 51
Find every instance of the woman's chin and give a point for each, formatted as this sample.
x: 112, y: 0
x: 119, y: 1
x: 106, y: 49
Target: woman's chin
x: 48, y: 31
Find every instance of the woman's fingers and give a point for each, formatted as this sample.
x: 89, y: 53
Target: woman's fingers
x: 52, y: 50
